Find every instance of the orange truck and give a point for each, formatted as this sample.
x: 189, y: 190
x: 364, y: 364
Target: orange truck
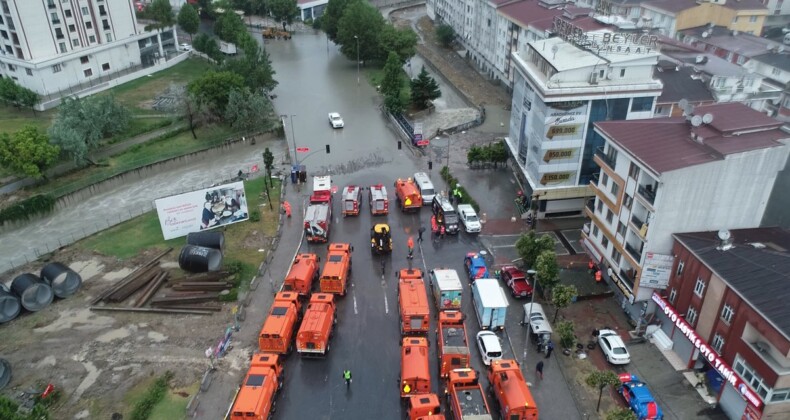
x: 415, y: 374
x: 337, y: 269
x: 424, y: 407
x: 302, y: 275
x: 412, y: 302
x: 511, y: 391
x: 318, y: 323
x: 407, y: 194
x: 256, y: 397
x: 277, y: 333
x: 465, y: 396
x: 453, y: 345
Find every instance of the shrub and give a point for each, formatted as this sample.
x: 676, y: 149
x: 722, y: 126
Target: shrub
x: 143, y: 408
x: 255, y: 216
x: 445, y: 34
x: 452, y: 181
x: 23, y: 210
x: 565, y: 329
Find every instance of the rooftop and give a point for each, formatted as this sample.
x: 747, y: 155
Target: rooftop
x: 708, y: 63
x: 675, y: 6
x: 678, y: 84
x: 723, y: 38
x: 540, y: 15
x: 757, y: 268
x: 780, y: 60
x: 666, y: 144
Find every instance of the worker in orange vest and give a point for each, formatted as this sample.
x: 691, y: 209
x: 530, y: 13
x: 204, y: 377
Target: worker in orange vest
x: 590, y: 265
x: 287, y: 208
x: 410, y: 244
x: 598, y: 276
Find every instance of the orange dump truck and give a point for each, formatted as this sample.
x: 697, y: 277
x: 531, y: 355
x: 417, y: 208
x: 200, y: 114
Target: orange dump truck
x: 407, y: 194
x: 453, y: 345
x: 465, y: 396
x: 511, y: 391
x: 277, y: 333
x: 256, y: 397
x: 302, y: 275
x: 412, y: 302
x: 337, y: 269
x: 415, y: 375
x: 424, y: 407
x: 319, y: 321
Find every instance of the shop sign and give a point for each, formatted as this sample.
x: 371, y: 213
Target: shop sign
x: 622, y: 286
x: 555, y: 178
x: 605, y: 42
x: 557, y: 154
x: 707, y: 352
x: 566, y: 105
x: 656, y: 270
x: 563, y: 130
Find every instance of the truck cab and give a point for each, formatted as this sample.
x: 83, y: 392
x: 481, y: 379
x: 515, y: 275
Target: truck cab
x: 337, y: 269
x: 412, y: 302
x: 465, y: 396
x: 379, y: 203
x: 302, y: 275
x: 424, y: 407
x: 317, y: 219
x: 351, y: 200
x: 256, y: 397
x: 318, y: 323
x: 511, y: 391
x: 445, y: 214
x: 409, y: 198
x: 453, y: 345
x: 415, y: 374
x: 276, y: 335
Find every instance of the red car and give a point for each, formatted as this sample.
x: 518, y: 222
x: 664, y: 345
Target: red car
x: 516, y: 281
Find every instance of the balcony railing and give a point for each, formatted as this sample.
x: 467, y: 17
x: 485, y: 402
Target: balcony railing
x: 628, y: 278
x: 637, y: 221
x: 591, y: 205
x: 634, y: 253
x: 647, y: 194
x: 604, y: 157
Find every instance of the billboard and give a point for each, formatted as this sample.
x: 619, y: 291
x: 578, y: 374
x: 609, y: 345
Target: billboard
x: 202, y: 209
x: 656, y: 270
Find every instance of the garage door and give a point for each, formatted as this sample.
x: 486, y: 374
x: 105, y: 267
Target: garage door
x: 731, y: 402
x: 683, y: 347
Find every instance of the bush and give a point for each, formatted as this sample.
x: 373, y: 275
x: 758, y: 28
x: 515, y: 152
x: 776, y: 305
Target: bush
x: 445, y: 34
x: 451, y: 182
x: 230, y: 297
x: 317, y: 23
x: 565, y: 329
x: 143, y: 408
x: 233, y: 267
x: 492, y: 153
x: 255, y: 216
x: 23, y: 210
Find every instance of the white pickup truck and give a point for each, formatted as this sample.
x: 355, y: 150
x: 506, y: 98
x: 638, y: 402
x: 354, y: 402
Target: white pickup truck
x: 469, y: 218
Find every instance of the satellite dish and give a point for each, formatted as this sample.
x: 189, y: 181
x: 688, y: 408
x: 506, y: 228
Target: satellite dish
x: 707, y: 118
x: 705, y: 34
x: 554, y: 50
x: 724, y: 234
x: 696, y: 121
x: 683, y: 103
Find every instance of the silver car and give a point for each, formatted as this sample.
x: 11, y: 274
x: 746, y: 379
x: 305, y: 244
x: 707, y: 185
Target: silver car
x: 335, y: 120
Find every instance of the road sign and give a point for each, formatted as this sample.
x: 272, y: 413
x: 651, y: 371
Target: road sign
x: 302, y: 149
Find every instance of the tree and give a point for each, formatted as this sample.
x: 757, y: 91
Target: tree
x: 247, y: 112
x: 332, y: 14
x: 207, y: 44
x: 391, y: 80
x: 601, y: 379
x: 445, y: 34
x: 620, y: 413
x: 562, y: 296
x: 565, y: 330
x: 27, y: 151
x: 229, y: 27
x: 82, y: 123
x: 213, y: 89
x: 394, y: 104
x: 424, y: 89
x: 161, y: 12
x: 284, y: 11
x: 363, y: 20
x: 268, y: 165
x: 530, y: 245
x: 255, y: 67
x: 206, y: 7
x: 16, y: 95
x: 402, y: 41
x: 547, y: 271
x: 188, y: 20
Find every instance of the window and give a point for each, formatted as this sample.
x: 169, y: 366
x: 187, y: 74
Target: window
x: 58, y: 33
x: 717, y: 343
x: 67, y: 13
x: 29, y: 72
x: 642, y: 104
x: 84, y: 11
x: 92, y: 39
x: 600, y: 206
x: 489, y: 23
x: 621, y: 229
x: 75, y: 42
x: 11, y: 67
x: 108, y: 36
x: 681, y: 266
x: 775, y: 71
x: 622, y: 72
x: 88, y: 72
x: 62, y: 47
x: 56, y: 68
x: 89, y: 25
x: 741, y: 59
x: 751, y: 377
x: 4, y: 34
x: 105, y: 66
x: 627, y: 201
x: 616, y: 256
x: 779, y: 395
x: 615, y: 188
x: 101, y: 10
x: 105, y: 24
x: 595, y: 231
x: 611, y: 154
x: 691, y: 315
x: 609, y: 216
x: 604, y: 242
x: 673, y: 294
x: 752, y: 19
x: 699, y: 287
x: 633, y: 171
x: 735, y: 19
x: 55, y: 18
x: 84, y: 59
x: 727, y: 313
x: 604, y: 179
x: 72, y: 28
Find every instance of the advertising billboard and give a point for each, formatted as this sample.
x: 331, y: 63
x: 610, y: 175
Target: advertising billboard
x: 656, y: 270
x: 202, y: 209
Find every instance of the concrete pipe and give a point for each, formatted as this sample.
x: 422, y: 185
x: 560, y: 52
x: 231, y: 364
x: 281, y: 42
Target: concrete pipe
x: 9, y: 304
x: 33, y: 292
x: 63, y: 280
x: 5, y: 373
x: 212, y: 239
x: 199, y: 259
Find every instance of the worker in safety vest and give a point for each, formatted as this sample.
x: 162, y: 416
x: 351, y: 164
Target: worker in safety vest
x: 457, y: 194
x: 347, y: 377
x: 287, y: 208
x: 410, y: 244
x: 590, y: 266
x: 598, y: 276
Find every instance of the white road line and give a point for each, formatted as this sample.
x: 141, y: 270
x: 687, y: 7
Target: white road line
x: 354, y: 295
x: 386, y: 305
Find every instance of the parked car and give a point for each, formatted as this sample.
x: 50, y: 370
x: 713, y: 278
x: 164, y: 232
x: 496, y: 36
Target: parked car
x: 185, y: 47
x: 639, y: 398
x: 613, y: 347
x: 335, y: 120
x: 475, y: 266
x: 516, y: 281
x: 490, y: 347
x: 469, y: 218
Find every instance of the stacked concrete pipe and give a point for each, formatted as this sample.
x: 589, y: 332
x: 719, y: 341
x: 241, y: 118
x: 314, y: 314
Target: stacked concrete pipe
x: 9, y: 304
x: 63, y: 280
x: 34, y: 293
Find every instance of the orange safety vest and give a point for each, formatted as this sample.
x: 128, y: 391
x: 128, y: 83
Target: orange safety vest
x: 590, y: 265
x: 410, y: 243
x: 598, y: 276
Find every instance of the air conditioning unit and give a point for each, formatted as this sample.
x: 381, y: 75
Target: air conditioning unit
x: 593, y: 78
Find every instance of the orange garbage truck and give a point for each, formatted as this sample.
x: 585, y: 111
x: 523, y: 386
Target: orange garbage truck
x: 453, y: 345
x: 317, y: 327
x: 256, y: 397
x: 511, y: 391
x: 337, y: 269
x: 302, y: 275
x: 277, y: 333
x: 415, y: 375
x: 465, y: 396
x: 424, y: 407
x: 407, y: 194
x: 412, y: 302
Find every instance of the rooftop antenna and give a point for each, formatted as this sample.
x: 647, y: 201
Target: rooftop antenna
x: 725, y: 239
x: 554, y: 50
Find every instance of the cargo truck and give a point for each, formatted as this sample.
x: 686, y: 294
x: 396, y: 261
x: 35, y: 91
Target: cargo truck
x: 317, y: 327
x: 446, y: 289
x: 317, y: 219
x: 490, y: 304
x: 465, y: 396
x: 415, y: 371
x: 407, y: 195
x: 256, y: 397
x: 424, y: 407
x: 337, y: 269
x: 302, y: 275
x: 412, y: 302
x: 453, y: 349
x: 228, y: 48
x: 322, y: 190
x: 277, y: 333
x: 510, y: 391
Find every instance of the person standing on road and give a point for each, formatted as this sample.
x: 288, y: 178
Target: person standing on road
x: 410, y: 244
x: 549, y: 349
x: 419, y: 233
x: 539, y: 370
x: 347, y: 377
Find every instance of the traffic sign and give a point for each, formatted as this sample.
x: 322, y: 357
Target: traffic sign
x: 302, y: 149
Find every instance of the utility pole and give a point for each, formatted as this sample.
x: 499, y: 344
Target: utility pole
x: 357, y: 38
x: 532, y: 275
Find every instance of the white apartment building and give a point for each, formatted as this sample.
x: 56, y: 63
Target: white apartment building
x: 561, y: 89
x: 78, y: 47
x: 713, y: 169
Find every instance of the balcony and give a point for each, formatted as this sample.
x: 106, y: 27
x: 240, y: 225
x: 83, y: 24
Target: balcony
x: 647, y: 193
x: 634, y: 253
x: 604, y: 157
x: 591, y: 204
x: 637, y: 221
x: 628, y: 276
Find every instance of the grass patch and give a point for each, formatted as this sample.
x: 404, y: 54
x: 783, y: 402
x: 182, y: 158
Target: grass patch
x: 375, y: 75
x: 174, y: 404
x: 139, y: 233
x: 143, y: 407
x: 13, y: 118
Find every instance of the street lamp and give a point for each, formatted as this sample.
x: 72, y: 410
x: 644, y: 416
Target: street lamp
x: 532, y: 275
x: 293, y: 135
x: 357, y: 38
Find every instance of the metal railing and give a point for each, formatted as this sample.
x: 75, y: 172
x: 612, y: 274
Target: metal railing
x: 647, y: 194
x: 604, y: 157
x: 634, y: 253
x: 637, y: 222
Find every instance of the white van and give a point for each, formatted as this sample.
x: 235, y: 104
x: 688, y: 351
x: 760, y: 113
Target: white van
x: 427, y: 191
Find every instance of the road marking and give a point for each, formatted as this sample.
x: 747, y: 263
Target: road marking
x: 354, y: 295
x: 386, y: 305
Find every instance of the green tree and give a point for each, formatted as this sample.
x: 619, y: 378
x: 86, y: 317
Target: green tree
x: 13, y: 94
x: 391, y: 80
x: 362, y: 20
x: 255, y: 67
x: 206, y: 8
x: 229, y: 27
x: 212, y: 90
x: 247, y: 112
x: 402, y: 41
x: 561, y: 296
x: 445, y: 34
x: 565, y: 330
x: 530, y: 245
x: 601, y: 379
x: 332, y: 14
x: 27, y: 151
x: 161, y: 12
x: 621, y: 413
x: 81, y: 124
x: 424, y: 89
x: 188, y: 20
x: 548, y: 273
x: 284, y: 11
x: 394, y: 104
x: 268, y: 165
x: 207, y: 44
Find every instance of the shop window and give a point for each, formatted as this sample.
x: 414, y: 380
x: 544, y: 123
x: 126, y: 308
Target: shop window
x: 727, y: 313
x: 681, y: 265
x: 717, y: 343
x: 691, y: 315
x: 673, y: 294
x: 699, y: 287
x: 751, y: 377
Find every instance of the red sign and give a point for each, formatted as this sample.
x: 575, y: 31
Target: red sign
x: 302, y: 149
x: 707, y: 352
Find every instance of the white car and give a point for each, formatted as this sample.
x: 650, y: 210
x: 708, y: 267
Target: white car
x: 613, y: 347
x: 469, y: 218
x: 490, y: 347
x: 185, y: 47
x: 335, y: 120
